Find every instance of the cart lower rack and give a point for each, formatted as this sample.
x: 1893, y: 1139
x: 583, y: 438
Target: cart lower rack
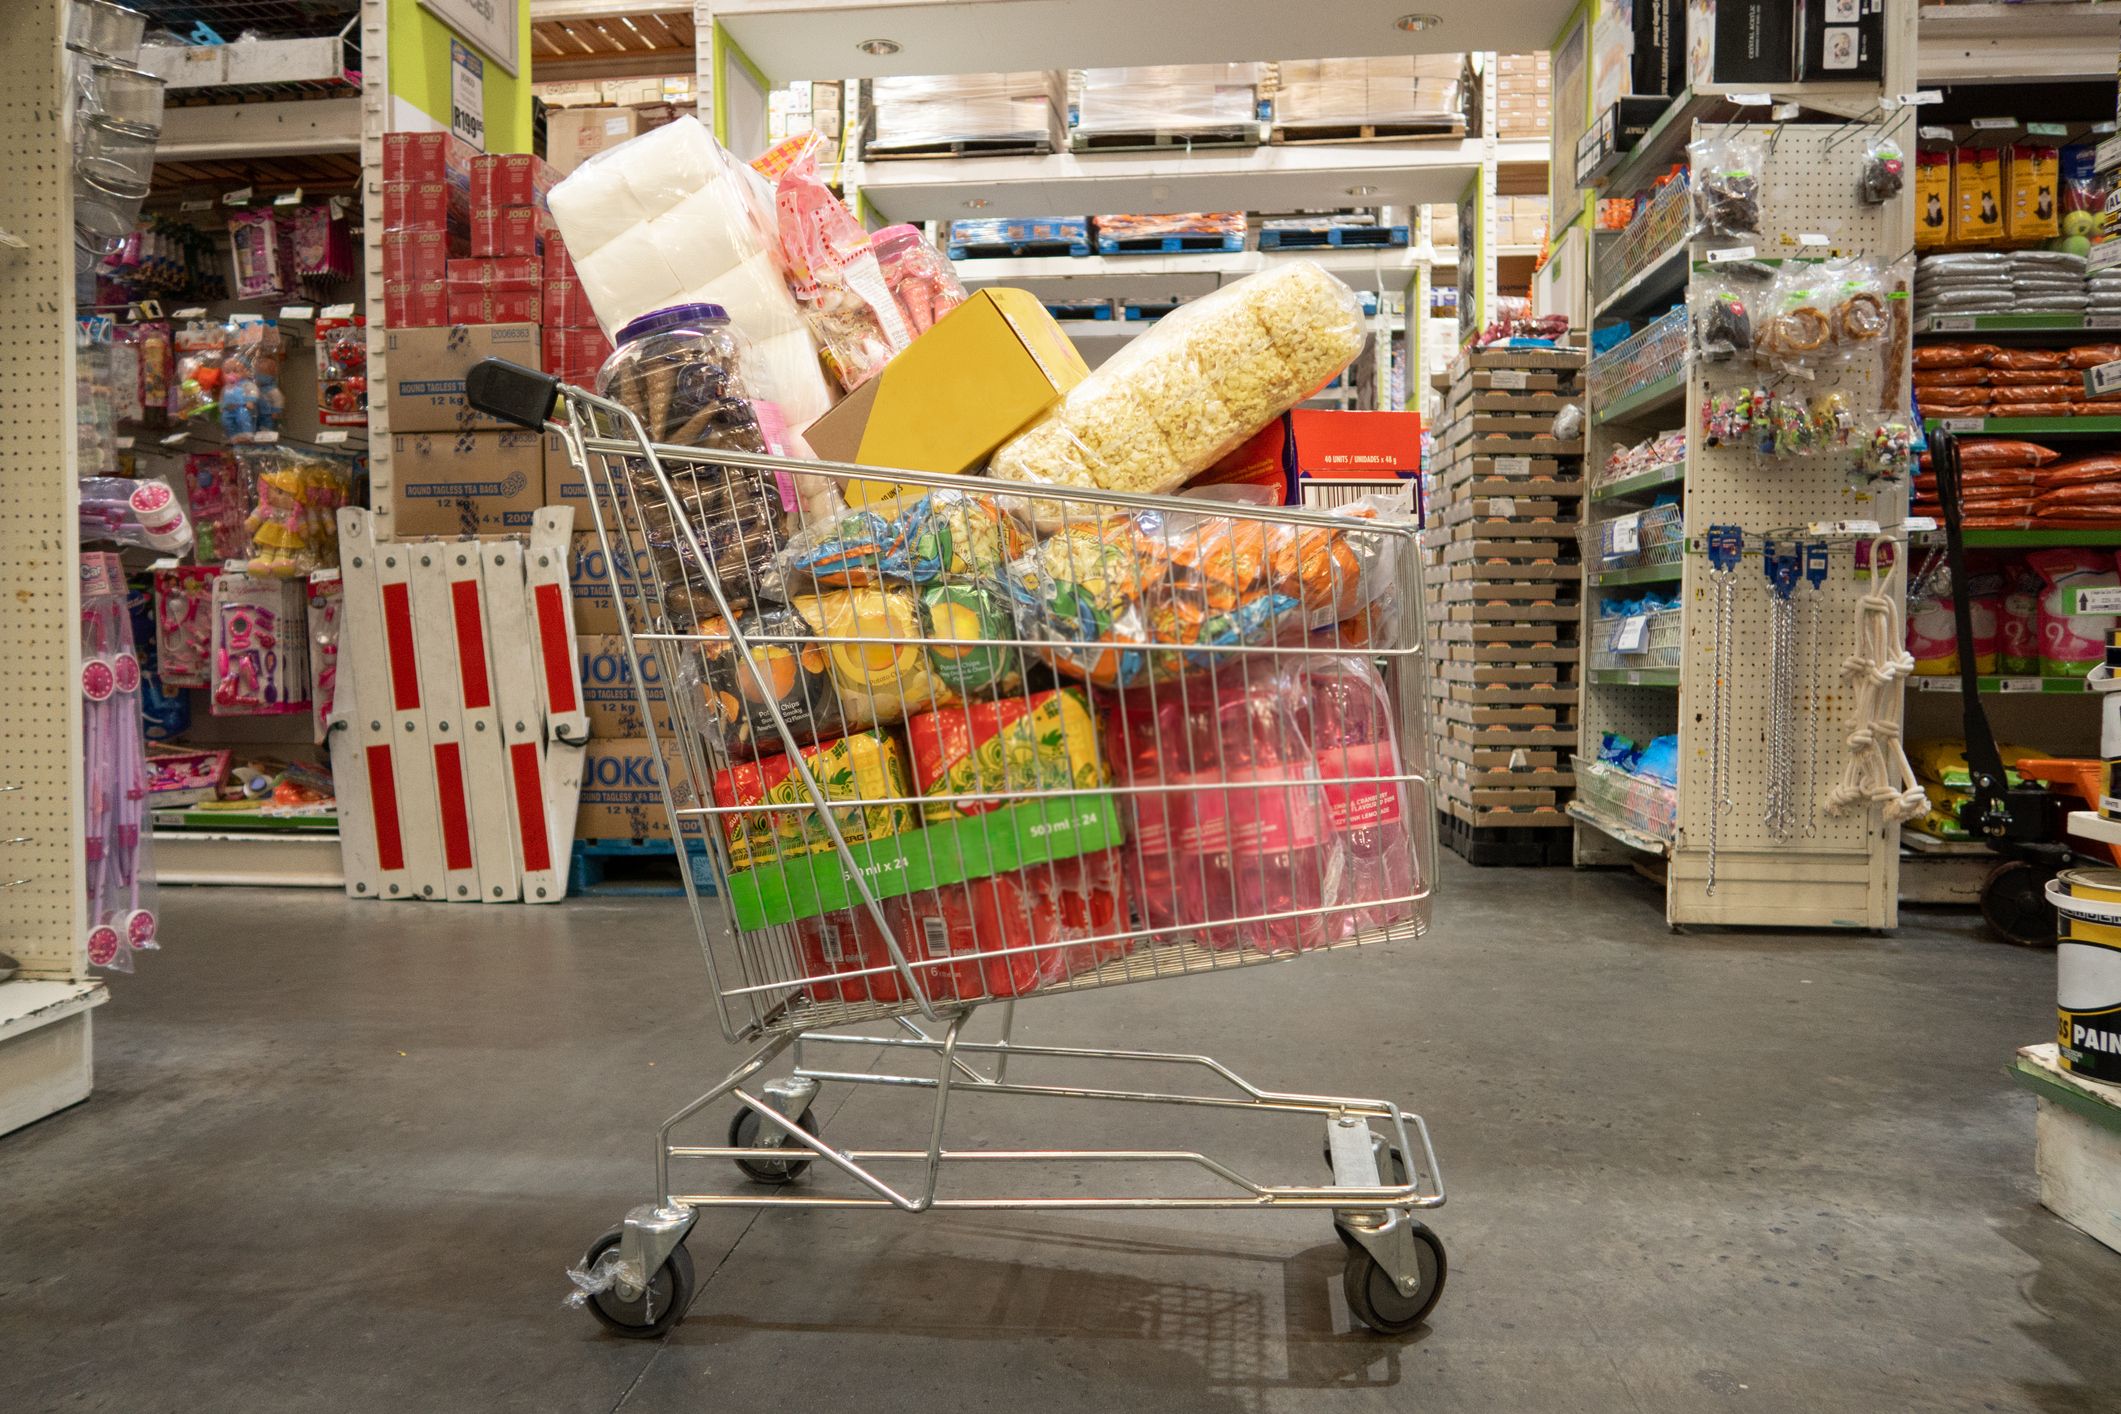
x: 949, y: 742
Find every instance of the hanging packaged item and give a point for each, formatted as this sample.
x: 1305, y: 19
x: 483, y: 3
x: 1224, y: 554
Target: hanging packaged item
x: 342, y: 370
x: 260, y: 646
x: 1727, y: 171
x: 327, y: 603
x: 293, y: 519
x: 195, y: 390
x: 254, y: 253
x: 117, y: 844
x: 251, y: 401
x: 184, y: 624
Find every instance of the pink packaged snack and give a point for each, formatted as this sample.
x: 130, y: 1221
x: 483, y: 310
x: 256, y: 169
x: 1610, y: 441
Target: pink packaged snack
x: 920, y: 278
x: 834, y: 275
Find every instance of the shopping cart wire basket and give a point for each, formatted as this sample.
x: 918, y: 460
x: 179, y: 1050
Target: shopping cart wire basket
x: 951, y: 741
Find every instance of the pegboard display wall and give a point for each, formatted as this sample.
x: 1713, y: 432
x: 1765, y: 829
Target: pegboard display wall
x: 1833, y: 871
x: 41, y: 882
x: 1828, y: 870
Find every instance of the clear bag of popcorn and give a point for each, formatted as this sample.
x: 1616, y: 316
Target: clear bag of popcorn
x: 1180, y: 397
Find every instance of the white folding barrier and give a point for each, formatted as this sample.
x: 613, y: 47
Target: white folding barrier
x: 458, y: 727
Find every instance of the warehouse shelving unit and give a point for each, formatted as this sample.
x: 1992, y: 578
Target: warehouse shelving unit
x: 46, y: 1040
x: 1848, y: 868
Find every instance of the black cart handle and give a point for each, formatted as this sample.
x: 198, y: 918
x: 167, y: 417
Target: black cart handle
x: 512, y: 392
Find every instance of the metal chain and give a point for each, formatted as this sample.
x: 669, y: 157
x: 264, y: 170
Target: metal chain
x: 1726, y: 585
x: 1815, y: 704
x: 1780, y: 815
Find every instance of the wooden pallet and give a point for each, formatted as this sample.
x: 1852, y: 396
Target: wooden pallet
x: 1560, y: 738
x: 1542, y: 404
x: 1478, y: 759
x: 1510, y: 694
x: 1536, y: 360
x: 1483, y: 798
x: 1478, y: 674
x: 1453, y: 487
x: 1544, y: 550
x: 1498, y: 635
x: 1507, y: 778
x: 1490, y: 818
x: 1506, y: 380
x: 1512, y: 572
x: 1160, y: 139
x: 962, y: 147
x: 1313, y: 134
x: 1506, y: 507
x: 1483, y: 648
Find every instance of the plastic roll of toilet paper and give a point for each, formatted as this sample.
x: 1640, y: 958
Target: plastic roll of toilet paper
x: 707, y: 234
x: 626, y: 278
x: 784, y: 370
x: 756, y: 296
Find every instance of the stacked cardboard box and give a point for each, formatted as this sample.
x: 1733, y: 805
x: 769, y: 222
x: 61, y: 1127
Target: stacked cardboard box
x: 970, y: 113
x: 453, y: 470
x: 1421, y: 91
x: 1501, y: 580
x: 426, y: 224
x: 1521, y: 220
x: 1524, y: 97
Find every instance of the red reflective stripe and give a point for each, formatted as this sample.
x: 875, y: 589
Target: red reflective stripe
x: 449, y: 791
x: 383, y: 805
x: 471, y: 644
x: 530, y: 806
x: 558, y: 651
x: 397, y: 633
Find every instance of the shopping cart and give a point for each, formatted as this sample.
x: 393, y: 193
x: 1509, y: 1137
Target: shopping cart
x: 1135, y: 763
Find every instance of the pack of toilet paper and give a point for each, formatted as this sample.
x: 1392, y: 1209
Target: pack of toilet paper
x: 670, y: 218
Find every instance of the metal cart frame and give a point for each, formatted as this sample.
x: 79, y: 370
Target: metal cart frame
x: 637, y: 1279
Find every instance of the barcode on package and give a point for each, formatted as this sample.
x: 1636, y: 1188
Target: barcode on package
x: 935, y: 936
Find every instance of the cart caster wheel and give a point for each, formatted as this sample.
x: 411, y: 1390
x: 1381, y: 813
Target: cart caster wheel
x: 1376, y: 1300
x: 651, y: 1312
x: 2014, y: 901
x: 744, y: 1130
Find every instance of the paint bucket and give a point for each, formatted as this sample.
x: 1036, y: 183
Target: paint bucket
x: 2088, y: 971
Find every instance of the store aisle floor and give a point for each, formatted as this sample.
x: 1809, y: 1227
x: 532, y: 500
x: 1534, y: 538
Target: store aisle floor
x: 339, y: 1155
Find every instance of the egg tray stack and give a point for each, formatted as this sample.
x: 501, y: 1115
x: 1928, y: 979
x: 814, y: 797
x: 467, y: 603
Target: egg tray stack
x: 1502, y: 583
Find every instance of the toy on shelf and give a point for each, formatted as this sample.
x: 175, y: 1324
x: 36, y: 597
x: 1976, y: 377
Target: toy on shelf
x: 116, y: 846
x: 251, y: 400
x: 195, y: 389
x: 342, y: 371
x: 327, y: 600
x: 292, y: 524
x: 260, y: 647
x: 184, y: 624
x: 213, y: 484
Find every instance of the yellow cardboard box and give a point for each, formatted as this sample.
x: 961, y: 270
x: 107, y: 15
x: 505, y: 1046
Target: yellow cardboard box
x: 986, y: 370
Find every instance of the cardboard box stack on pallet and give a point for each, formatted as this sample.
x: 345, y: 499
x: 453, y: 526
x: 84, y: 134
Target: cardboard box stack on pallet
x: 1502, y: 580
x: 586, y: 116
x: 1524, y: 98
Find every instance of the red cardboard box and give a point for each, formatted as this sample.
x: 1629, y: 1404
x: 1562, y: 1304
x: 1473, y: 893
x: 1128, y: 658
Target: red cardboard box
x: 507, y: 272
x: 471, y: 304
x: 1356, y: 446
x: 423, y: 206
x: 1314, y: 444
x: 411, y: 257
x: 576, y: 354
x: 505, y: 179
x: 519, y: 230
x: 559, y: 265
x: 426, y: 157
x: 415, y: 304
x: 567, y: 306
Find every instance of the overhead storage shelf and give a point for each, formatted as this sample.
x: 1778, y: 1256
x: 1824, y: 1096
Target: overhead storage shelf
x: 226, y: 132
x: 1246, y: 179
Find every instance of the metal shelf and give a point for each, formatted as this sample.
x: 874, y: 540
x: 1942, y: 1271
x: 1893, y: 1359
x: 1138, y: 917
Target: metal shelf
x: 1639, y: 574
x: 242, y: 131
x: 1245, y: 179
x: 2089, y: 824
x: 2027, y: 539
x: 2044, y: 687
x: 1645, y: 402
x: 1655, y: 284
x: 278, y: 19
x: 1661, y: 145
x: 1655, y: 479
x: 1063, y: 277
x: 2028, y: 426
x: 1972, y: 44
x: 1635, y: 677
x: 250, y: 857
x: 2016, y: 323
x: 1633, y: 839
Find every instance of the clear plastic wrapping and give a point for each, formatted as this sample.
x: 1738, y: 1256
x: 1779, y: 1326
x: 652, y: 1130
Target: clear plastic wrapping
x: 1726, y: 183
x: 1400, y: 88
x: 1190, y: 390
x: 668, y: 219
x: 835, y: 275
x: 683, y: 372
x: 1168, y: 97
x: 920, y: 277
x: 1172, y: 223
x: 921, y: 111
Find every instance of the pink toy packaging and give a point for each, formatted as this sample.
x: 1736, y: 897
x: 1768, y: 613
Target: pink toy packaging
x: 117, y: 847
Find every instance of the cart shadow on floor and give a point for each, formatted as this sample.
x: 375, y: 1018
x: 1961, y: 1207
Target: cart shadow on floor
x: 1243, y: 1336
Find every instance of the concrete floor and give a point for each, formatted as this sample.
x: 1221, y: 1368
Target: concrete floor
x: 339, y: 1155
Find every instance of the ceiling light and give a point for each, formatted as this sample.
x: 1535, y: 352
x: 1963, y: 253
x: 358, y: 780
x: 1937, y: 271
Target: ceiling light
x: 879, y: 48
x: 976, y: 203
x: 1415, y: 24
x: 1362, y: 191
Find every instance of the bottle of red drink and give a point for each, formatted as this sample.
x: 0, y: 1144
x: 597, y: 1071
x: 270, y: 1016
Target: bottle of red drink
x: 1255, y: 829
x: 1147, y: 744
x: 1357, y: 748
